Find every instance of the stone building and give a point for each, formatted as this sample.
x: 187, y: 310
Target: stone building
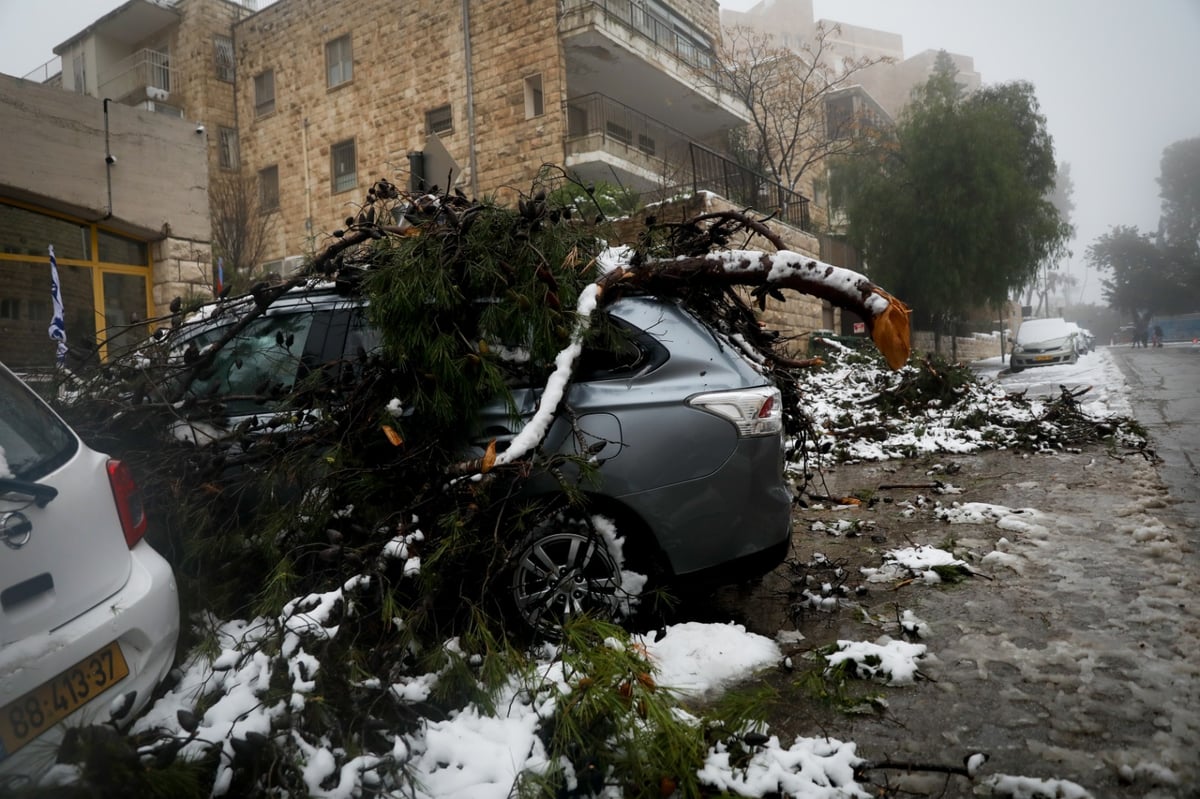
x: 314, y: 100
x: 792, y: 23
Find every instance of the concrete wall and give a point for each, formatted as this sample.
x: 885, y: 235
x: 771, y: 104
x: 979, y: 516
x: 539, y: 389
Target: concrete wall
x: 54, y: 158
x: 54, y: 154
x: 794, y: 318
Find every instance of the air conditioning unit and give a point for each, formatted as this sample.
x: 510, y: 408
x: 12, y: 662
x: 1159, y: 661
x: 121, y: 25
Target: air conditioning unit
x: 292, y: 265
x: 162, y: 108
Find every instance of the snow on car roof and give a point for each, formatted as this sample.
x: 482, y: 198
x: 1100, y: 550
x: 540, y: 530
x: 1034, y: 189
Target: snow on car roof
x: 1032, y: 330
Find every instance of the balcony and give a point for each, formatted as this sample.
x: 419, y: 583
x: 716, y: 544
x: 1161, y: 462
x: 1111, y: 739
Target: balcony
x: 143, y: 75
x: 648, y: 63
x: 610, y: 142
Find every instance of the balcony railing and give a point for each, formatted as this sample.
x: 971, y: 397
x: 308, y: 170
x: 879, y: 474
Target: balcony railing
x: 614, y: 124
x: 144, y: 74
x: 595, y: 121
x: 46, y: 71
x: 714, y: 172
x: 648, y: 26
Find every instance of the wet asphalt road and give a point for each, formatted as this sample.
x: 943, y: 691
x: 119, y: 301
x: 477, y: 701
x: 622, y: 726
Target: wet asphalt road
x: 1075, y: 654
x: 1164, y: 394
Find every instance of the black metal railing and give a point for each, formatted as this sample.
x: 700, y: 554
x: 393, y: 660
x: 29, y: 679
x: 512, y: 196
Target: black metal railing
x: 721, y: 175
x: 690, y: 49
x: 683, y: 165
x: 592, y: 115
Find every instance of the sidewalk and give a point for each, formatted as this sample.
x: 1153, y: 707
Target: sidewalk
x: 1073, y: 655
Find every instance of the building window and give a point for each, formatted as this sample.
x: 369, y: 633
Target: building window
x: 268, y: 188
x: 439, y: 120
x: 343, y: 167
x: 227, y: 148
x: 101, y: 287
x: 264, y: 93
x: 534, y: 101
x: 339, y: 61
x: 223, y: 57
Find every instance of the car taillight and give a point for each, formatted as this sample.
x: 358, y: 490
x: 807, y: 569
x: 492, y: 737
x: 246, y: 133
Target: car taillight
x: 129, y: 502
x: 753, y: 411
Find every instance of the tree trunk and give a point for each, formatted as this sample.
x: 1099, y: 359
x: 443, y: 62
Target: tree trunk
x: 887, y: 318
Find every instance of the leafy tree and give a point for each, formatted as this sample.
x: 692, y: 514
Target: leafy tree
x: 1142, y: 281
x: 1160, y: 273
x: 954, y: 211
x: 786, y: 92
x: 1180, y: 192
x: 1179, y: 225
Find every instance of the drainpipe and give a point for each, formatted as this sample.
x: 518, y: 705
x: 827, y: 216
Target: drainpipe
x: 308, y: 223
x: 466, y: 22
x: 108, y: 165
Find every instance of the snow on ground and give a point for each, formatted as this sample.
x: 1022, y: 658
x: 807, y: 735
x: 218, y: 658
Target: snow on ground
x: 844, y: 400
x: 473, y: 753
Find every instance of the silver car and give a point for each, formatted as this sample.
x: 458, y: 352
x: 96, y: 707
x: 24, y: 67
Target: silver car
x: 687, y: 432
x: 89, y: 612
x: 1045, y: 342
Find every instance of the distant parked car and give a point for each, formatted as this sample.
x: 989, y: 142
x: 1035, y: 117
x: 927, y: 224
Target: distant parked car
x: 89, y: 612
x: 1045, y: 342
x: 1083, y: 343
x: 690, y: 430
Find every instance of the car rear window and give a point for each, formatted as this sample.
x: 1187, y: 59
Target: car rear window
x: 33, y: 441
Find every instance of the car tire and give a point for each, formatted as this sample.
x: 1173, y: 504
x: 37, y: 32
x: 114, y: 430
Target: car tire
x: 564, y: 569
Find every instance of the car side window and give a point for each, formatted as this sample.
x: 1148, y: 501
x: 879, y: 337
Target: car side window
x: 255, y: 371
x: 33, y: 441
x: 622, y: 351
x: 337, y: 341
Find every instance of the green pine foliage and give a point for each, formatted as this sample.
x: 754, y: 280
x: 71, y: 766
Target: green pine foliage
x: 455, y: 299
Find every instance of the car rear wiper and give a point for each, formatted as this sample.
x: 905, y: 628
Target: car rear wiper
x: 41, y: 494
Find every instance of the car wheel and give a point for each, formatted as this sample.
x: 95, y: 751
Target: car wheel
x: 565, y: 569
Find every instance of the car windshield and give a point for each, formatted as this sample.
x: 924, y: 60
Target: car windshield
x: 33, y: 441
x: 1035, y: 330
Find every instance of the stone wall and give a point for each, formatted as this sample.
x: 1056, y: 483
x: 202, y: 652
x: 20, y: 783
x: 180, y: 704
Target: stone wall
x: 973, y: 348
x: 794, y: 318
x: 197, y: 89
x: 182, y: 268
x: 407, y: 62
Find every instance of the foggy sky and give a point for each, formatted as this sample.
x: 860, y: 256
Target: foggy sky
x: 1115, y: 80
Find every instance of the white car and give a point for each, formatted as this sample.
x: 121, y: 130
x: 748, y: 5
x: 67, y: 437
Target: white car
x: 1045, y: 342
x: 89, y: 612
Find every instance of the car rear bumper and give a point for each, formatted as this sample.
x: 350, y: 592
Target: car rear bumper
x: 737, y: 519
x: 142, y: 618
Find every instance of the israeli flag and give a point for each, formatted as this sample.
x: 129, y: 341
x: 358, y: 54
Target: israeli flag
x: 58, y: 326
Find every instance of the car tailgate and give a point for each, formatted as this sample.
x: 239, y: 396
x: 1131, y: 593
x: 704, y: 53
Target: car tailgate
x: 73, y: 557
